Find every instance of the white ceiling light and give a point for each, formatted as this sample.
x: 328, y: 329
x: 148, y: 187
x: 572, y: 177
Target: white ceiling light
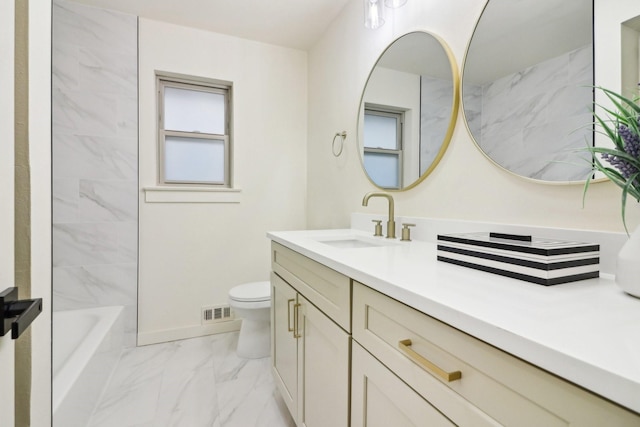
x: 374, y: 11
x: 373, y: 14
x: 394, y: 4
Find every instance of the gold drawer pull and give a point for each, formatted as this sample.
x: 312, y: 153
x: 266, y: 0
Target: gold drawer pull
x: 289, y: 301
x: 296, y: 324
x: 405, y: 346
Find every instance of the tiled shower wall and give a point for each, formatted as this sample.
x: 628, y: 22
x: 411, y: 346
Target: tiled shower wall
x: 95, y: 160
x: 435, y: 115
x: 532, y: 122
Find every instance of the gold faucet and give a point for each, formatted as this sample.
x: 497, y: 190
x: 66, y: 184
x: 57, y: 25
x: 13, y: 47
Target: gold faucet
x: 391, y: 223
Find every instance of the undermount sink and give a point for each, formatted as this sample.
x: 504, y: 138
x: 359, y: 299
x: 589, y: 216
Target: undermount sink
x: 353, y: 242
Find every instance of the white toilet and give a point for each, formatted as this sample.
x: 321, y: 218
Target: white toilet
x: 252, y: 303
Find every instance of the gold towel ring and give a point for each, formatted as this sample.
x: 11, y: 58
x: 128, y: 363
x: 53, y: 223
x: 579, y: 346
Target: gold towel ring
x: 343, y: 136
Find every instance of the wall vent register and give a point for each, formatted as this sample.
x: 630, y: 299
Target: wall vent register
x: 214, y: 314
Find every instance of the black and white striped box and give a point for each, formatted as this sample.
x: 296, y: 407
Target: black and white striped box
x: 537, y: 260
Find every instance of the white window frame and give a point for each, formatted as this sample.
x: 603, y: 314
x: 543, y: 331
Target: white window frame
x: 398, y: 152
x: 196, y: 84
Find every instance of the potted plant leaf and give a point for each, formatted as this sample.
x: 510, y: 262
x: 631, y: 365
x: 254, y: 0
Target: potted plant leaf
x: 621, y: 164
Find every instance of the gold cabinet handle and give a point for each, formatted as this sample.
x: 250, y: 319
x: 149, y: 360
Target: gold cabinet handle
x: 289, y: 301
x: 296, y: 308
x: 405, y: 346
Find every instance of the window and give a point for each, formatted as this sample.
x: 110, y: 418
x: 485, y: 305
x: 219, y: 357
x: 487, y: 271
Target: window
x: 194, y: 132
x: 383, y: 147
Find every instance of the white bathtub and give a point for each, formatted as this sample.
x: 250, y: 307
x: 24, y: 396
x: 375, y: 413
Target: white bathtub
x: 86, y: 346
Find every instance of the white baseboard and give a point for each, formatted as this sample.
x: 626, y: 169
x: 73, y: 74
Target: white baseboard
x: 155, y: 337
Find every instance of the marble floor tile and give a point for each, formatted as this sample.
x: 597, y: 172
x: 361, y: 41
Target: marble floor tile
x: 252, y: 402
x: 198, y: 382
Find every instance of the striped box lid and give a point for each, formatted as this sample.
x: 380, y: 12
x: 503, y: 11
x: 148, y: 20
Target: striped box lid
x: 537, y: 260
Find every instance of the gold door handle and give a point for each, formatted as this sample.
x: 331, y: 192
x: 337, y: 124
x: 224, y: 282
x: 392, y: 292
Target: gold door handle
x: 289, y: 301
x: 427, y: 365
x: 296, y: 308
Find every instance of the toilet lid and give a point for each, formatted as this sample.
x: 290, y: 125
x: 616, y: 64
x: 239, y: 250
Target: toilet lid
x: 255, y: 291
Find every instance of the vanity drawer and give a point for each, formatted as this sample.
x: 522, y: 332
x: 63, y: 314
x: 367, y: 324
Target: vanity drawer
x: 469, y: 381
x: 325, y: 288
x: 380, y: 398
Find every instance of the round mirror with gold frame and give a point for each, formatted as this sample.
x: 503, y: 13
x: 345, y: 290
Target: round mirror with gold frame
x: 408, y: 111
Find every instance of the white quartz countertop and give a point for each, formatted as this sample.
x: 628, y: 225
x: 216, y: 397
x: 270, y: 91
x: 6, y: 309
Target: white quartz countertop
x: 587, y: 332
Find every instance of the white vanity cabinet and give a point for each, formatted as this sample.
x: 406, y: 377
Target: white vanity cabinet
x: 389, y: 336
x: 407, y: 356
x: 310, y: 337
x: 284, y: 344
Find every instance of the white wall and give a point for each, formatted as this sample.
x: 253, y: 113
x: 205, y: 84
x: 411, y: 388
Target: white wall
x: 630, y: 40
x: 608, y: 41
x: 7, y: 128
x: 7, y: 196
x: 191, y: 254
x: 465, y: 185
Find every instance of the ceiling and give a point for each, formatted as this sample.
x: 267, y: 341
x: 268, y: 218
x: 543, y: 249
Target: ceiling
x: 292, y: 23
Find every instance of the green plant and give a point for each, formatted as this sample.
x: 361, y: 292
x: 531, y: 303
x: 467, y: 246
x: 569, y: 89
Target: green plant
x: 620, y: 164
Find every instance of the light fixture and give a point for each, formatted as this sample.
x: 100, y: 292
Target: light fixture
x: 394, y: 4
x: 373, y: 13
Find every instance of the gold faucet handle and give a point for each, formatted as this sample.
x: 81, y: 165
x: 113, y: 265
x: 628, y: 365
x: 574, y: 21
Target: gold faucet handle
x: 406, y: 232
x: 378, y: 231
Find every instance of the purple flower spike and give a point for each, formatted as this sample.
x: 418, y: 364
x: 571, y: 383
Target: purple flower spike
x: 631, y: 141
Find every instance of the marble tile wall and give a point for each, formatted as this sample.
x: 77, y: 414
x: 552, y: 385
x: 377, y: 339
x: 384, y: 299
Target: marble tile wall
x: 95, y: 160
x: 545, y: 108
x: 435, y: 114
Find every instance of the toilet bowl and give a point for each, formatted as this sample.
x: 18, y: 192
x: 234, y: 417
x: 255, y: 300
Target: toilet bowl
x: 252, y: 303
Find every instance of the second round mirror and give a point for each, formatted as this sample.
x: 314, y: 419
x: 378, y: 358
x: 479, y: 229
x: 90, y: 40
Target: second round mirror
x: 526, y: 87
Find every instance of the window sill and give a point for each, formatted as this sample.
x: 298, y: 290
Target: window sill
x: 191, y: 195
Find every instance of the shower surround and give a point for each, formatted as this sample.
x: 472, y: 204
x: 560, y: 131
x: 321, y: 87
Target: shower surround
x: 95, y: 161
x: 532, y: 122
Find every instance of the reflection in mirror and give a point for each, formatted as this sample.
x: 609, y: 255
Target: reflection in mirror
x: 408, y: 111
x: 526, y: 87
